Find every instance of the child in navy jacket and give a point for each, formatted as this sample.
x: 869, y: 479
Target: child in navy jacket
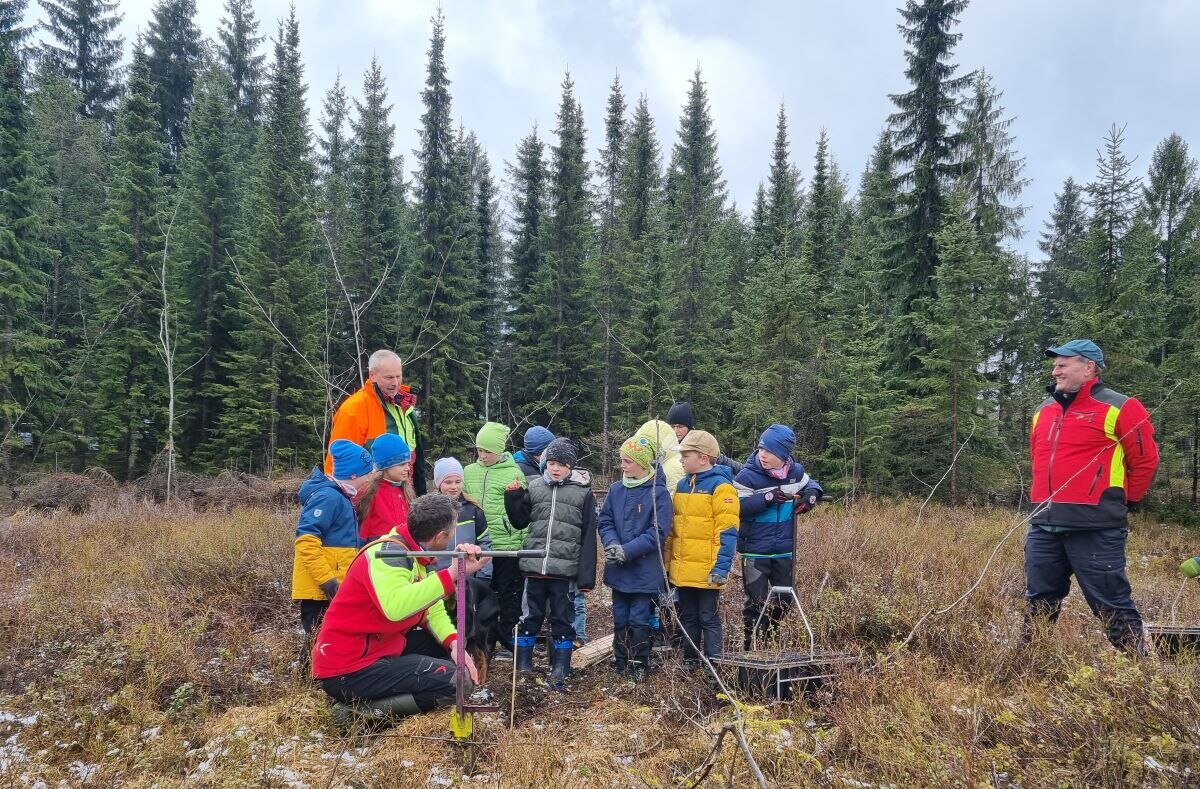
x: 634, y: 524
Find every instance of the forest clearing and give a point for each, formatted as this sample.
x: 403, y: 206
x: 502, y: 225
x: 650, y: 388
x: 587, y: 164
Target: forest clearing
x: 175, y: 664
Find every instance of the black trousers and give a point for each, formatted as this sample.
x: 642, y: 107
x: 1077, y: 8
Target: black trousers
x: 548, y: 596
x: 1096, y: 557
x: 423, y: 669
x: 311, y: 614
x: 698, y: 615
x: 758, y: 576
x: 507, y: 583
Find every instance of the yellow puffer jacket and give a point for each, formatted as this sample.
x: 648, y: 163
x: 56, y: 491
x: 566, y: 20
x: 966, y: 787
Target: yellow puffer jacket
x: 704, y: 532
x: 326, y: 537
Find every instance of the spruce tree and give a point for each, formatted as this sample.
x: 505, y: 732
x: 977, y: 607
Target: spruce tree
x: 695, y: 206
x: 87, y: 51
x: 337, y: 227
x: 1113, y: 198
x: 129, y: 402
x: 643, y: 280
x: 527, y: 178
x: 372, y: 272
x: 1059, y: 276
x: 773, y: 327
x: 238, y: 51
x: 1171, y: 196
x: 174, y: 59
x: 992, y: 170
x: 822, y: 218
x: 865, y: 388
x: 603, y: 274
x: 962, y: 318
x: 926, y: 144
x: 562, y: 355
x: 202, y: 245
x: 275, y: 397
x: 72, y: 168
x: 25, y: 368
x: 784, y: 199
x: 441, y: 283
x: 489, y: 265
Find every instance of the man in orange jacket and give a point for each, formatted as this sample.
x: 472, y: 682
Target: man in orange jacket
x: 383, y: 405
x: 1094, y: 458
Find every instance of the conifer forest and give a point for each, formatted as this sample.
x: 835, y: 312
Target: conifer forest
x: 197, y: 256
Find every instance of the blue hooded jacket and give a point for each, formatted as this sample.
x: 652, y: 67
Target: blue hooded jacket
x: 627, y: 518
x: 767, y: 528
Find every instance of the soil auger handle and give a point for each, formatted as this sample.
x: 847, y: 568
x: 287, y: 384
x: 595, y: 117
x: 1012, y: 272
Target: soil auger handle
x: 390, y: 551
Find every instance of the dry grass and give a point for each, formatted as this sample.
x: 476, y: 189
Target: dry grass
x: 145, y: 645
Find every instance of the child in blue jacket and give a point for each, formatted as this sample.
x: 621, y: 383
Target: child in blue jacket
x: 772, y: 489
x: 634, y: 523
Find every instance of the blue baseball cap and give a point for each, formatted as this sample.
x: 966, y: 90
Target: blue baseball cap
x: 1085, y: 348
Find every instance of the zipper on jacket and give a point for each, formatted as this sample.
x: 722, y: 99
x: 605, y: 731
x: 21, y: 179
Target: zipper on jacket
x: 1099, y: 471
x: 550, y: 528
x: 1056, y: 430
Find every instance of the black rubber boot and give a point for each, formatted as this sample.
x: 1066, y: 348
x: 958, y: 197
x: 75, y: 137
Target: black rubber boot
x: 524, y: 653
x: 560, y: 663
x: 363, y: 713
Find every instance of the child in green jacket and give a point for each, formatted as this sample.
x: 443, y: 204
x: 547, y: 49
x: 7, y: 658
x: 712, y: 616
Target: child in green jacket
x: 484, y: 482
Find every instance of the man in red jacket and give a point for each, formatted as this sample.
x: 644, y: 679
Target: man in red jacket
x: 1094, y: 458
x: 385, y: 648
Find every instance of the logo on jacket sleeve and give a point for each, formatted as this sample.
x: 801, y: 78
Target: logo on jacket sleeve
x: 316, y: 513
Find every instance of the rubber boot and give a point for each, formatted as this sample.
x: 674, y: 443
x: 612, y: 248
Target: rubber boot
x: 560, y: 663
x: 389, y: 708
x: 639, y: 653
x: 524, y: 653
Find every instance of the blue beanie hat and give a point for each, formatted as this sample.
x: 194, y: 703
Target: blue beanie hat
x: 350, y: 460
x: 390, y: 450
x: 779, y: 440
x: 537, y: 438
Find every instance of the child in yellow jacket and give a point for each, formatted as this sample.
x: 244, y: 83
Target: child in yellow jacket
x: 702, y: 544
x: 327, y: 532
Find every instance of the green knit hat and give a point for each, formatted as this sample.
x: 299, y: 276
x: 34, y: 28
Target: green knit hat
x: 492, y: 436
x: 639, y: 450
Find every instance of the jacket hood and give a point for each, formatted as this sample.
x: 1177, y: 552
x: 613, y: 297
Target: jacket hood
x: 578, y: 476
x: 724, y: 472
x: 662, y: 438
x: 315, y: 482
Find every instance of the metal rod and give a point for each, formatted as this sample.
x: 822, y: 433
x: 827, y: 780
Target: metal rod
x: 460, y: 644
x: 388, y: 551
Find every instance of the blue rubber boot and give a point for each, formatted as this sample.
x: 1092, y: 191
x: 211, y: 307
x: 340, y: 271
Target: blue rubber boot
x: 560, y: 663
x: 525, y: 646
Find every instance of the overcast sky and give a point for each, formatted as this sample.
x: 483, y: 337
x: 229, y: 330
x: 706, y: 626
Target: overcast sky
x: 1068, y: 68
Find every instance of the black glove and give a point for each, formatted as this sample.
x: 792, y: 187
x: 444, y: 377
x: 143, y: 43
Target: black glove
x: 1133, y: 506
x: 330, y: 587
x: 806, y: 501
x: 614, y: 553
x: 777, y: 495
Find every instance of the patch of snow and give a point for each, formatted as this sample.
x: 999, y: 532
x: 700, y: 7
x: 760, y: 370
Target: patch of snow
x: 12, y: 753
x: 27, y: 720
x: 288, y: 777
x: 82, y: 770
x: 151, y: 733
x: 1154, y: 764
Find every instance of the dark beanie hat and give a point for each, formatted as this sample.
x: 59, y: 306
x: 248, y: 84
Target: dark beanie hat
x: 681, y: 414
x: 562, y: 451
